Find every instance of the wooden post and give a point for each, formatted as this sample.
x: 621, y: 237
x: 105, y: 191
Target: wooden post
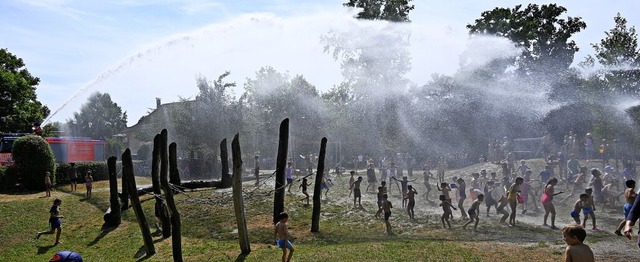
x: 238, y: 201
x: 112, y: 217
x: 224, y: 161
x: 176, y: 235
x: 127, y: 174
x: 317, y: 190
x: 174, y: 173
x: 160, y: 207
x: 124, y: 197
x: 281, y: 164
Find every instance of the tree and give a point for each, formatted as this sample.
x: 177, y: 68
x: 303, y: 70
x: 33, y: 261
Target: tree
x: 619, y: 53
x: 389, y: 10
x: 99, y: 118
x: 19, y: 108
x: 539, y: 31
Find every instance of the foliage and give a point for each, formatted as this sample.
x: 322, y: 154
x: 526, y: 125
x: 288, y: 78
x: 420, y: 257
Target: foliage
x: 619, y: 53
x: 99, y: 118
x: 33, y: 157
x: 51, y: 129
x: 99, y: 171
x: 389, y: 10
x: 539, y: 31
x: 19, y: 108
x: 8, y: 177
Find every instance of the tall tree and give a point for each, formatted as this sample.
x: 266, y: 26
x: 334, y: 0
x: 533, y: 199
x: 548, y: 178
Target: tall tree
x: 539, y: 31
x: 618, y: 52
x: 99, y: 118
x: 389, y: 10
x: 19, y: 107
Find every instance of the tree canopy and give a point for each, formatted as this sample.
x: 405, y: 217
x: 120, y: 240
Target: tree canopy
x: 389, y: 10
x: 539, y: 31
x: 19, y: 108
x: 99, y: 118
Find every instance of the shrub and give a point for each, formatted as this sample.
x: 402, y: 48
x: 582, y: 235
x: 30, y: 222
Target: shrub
x: 8, y: 177
x: 33, y: 157
x: 99, y: 171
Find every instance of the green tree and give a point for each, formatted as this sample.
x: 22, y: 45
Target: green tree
x: 618, y: 52
x: 389, y: 10
x: 99, y: 118
x: 539, y: 31
x: 19, y: 108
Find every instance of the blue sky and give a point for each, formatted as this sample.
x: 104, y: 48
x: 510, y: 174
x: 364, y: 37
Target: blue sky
x: 137, y: 50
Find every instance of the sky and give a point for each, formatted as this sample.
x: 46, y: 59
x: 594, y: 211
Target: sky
x: 137, y: 50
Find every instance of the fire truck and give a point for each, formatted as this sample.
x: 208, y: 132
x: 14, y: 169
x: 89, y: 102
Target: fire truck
x: 65, y: 149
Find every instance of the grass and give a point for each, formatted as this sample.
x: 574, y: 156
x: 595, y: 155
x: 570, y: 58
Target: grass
x: 209, y: 231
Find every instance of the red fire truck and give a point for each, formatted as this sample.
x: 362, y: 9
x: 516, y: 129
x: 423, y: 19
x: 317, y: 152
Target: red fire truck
x: 65, y: 149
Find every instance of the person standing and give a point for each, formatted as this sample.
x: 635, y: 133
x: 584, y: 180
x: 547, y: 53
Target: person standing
x: 256, y: 169
x: 73, y: 176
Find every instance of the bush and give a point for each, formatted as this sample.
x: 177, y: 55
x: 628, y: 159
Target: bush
x: 99, y: 171
x: 8, y: 177
x: 33, y: 157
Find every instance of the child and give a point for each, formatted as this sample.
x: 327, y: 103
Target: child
x: 474, y: 211
x: 404, y: 186
x: 386, y: 207
x: 444, y: 187
x: 288, y: 171
x: 630, y: 197
x: 446, y: 208
x: 596, y: 184
x: 588, y: 207
x: 514, y: 190
x: 371, y: 177
x: 488, y: 192
x: 88, y: 182
x: 574, y: 236
x: 304, y: 186
x: 503, y: 202
x: 461, y: 185
x: 55, y: 220
x: 412, y: 200
x: 380, y: 201
x: 73, y: 176
x: 357, y: 195
x: 282, y: 236
x: 426, y: 175
x: 351, y: 181
x: 47, y: 183
x: 547, y: 202
x: 575, y: 214
x: 324, y: 185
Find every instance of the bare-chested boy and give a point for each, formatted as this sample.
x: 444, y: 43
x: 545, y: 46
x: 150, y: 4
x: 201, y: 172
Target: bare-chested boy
x: 380, y: 201
x: 629, y: 196
x: 304, y: 186
x: 502, y: 204
x: 282, y: 237
x: 574, y: 236
x: 588, y: 207
x: 474, y: 212
x: 575, y: 214
x: 411, y: 196
x: 386, y: 207
x: 446, y: 208
x: 357, y: 195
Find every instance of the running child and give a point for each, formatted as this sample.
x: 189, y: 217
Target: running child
x: 588, y: 207
x: 514, y: 190
x: 426, y: 176
x: 503, y: 202
x: 575, y: 214
x: 461, y: 185
x: 304, y: 186
x: 404, y: 186
x: 380, y: 201
x: 282, y: 237
x: 574, y: 236
x: 488, y: 192
x: 352, y: 179
x: 447, y: 213
x: 55, y: 220
x: 630, y: 197
x: 411, y: 196
x: 474, y: 212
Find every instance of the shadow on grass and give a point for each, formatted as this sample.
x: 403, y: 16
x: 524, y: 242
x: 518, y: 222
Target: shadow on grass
x: 141, y: 255
x: 44, y: 249
x: 241, y: 257
x: 105, y: 230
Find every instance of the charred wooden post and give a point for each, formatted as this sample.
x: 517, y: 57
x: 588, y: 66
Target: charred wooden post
x: 124, y: 197
x: 127, y: 175
x: 281, y: 164
x: 174, y: 172
x: 161, y: 210
x: 238, y: 201
x: 176, y: 227
x: 317, y: 189
x: 225, y: 177
x: 112, y: 217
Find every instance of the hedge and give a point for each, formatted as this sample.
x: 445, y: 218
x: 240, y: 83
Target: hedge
x: 99, y: 170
